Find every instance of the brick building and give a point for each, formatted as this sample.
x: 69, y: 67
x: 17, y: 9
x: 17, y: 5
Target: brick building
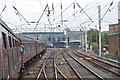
x: 114, y: 39
x: 114, y: 27
x: 114, y: 43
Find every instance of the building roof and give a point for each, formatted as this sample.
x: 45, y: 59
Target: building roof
x: 112, y: 25
x: 42, y: 33
x: 72, y: 41
x: 114, y: 34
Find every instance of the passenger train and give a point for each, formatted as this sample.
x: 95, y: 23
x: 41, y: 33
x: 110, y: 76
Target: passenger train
x: 10, y: 55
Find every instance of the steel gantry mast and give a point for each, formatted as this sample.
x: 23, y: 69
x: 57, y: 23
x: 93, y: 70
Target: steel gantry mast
x: 99, y: 10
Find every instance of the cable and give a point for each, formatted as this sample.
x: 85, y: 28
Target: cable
x: 107, y: 10
x: 47, y: 14
x: 85, y: 7
x: 110, y: 4
x: 3, y: 10
x: 20, y: 14
x: 101, y: 9
x: 64, y: 10
x: 85, y: 12
x: 41, y: 16
x: 94, y: 5
x: 97, y: 12
x: 53, y: 9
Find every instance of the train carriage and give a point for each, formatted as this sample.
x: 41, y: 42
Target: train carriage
x: 33, y: 48
x: 10, y: 55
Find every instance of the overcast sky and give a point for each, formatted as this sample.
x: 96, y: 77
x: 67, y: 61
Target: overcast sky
x: 32, y: 10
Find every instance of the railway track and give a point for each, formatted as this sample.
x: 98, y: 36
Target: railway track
x: 49, y: 69
x: 112, y: 69
x: 42, y: 73
x: 34, y: 69
x: 66, y: 68
x: 81, y: 70
x: 44, y: 69
x: 58, y: 73
x: 110, y: 61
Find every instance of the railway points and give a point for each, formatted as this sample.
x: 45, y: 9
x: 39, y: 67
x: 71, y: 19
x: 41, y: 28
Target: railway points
x: 67, y: 64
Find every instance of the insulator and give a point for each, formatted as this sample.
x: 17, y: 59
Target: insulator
x: 58, y: 25
x: 73, y: 5
x: 61, y: 6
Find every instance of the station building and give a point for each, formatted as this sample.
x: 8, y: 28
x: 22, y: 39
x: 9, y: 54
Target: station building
x: 44, y: 36
x: 52, y: 37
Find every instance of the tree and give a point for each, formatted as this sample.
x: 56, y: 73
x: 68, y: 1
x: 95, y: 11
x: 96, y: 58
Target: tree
x: 105, y: 39
x: 93, y: 36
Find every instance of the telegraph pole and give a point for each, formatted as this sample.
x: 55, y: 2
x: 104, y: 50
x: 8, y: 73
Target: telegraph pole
x: 82, y: 36
x: 82, y: 40
x: 67, y: 35
x: 99, y: 10
x: 86, y: 46
x: 81, y: 46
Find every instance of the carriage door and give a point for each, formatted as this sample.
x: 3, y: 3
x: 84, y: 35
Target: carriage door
x: 1, y: 58
x: 5, y: 56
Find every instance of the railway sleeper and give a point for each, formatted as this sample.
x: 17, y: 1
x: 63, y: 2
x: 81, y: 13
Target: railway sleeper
x: 29, y: 63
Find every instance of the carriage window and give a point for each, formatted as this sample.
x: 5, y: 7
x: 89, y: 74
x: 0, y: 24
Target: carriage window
x: 16, y: 43
x: 4, y: 40
x: 13, y: 42
x: 10, y: 43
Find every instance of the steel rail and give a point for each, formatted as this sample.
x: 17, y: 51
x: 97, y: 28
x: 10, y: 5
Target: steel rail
x: 86, y: 67
x: 116, y: 73
x: 42, y: 69
x: 61, y: 73
x: 100, y: 60
x: 57, y: 69
x: 45, y: 75
x: 79, y: 76
x: 56, y: 77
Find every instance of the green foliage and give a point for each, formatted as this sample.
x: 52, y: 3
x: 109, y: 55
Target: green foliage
x: 105, y: 46
x: 93, y: 36
x: 95, y: 47
x: 115, y: 32
x: 105, y: 38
